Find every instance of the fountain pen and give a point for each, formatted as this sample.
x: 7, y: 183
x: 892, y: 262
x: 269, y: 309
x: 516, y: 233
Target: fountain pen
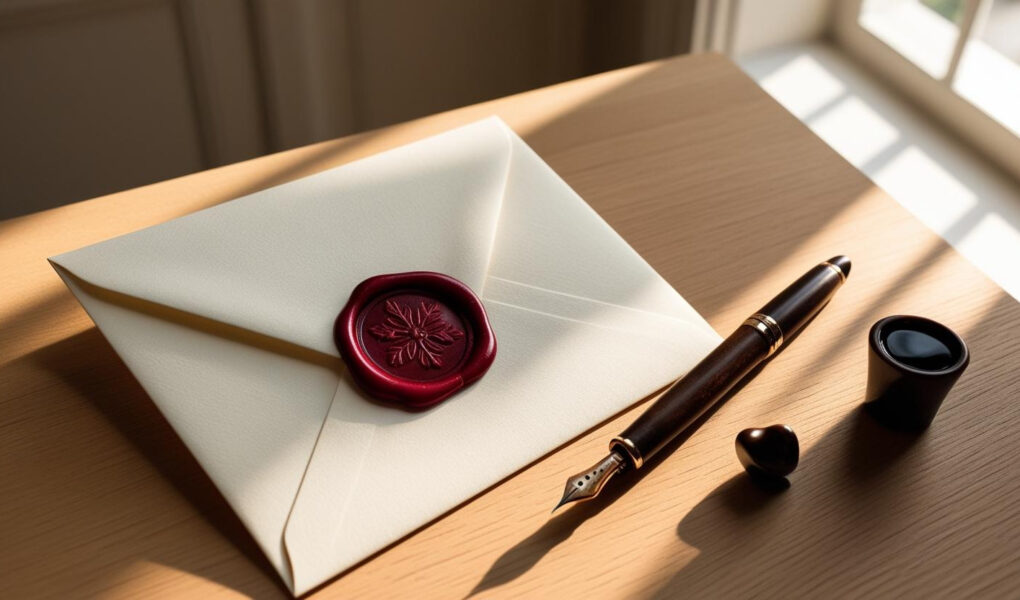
x: 681, y: 404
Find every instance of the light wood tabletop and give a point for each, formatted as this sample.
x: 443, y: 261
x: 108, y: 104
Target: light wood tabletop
x: 730, y: 198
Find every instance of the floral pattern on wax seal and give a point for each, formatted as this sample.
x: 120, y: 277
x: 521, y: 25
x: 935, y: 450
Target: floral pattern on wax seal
x: 414, y: 339
x: 415, y: 334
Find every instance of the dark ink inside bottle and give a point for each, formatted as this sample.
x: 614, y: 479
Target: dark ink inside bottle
x: 919, y: 350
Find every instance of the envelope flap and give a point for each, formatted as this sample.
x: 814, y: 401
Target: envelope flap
x: 544, y: 222
x: 283, y: 261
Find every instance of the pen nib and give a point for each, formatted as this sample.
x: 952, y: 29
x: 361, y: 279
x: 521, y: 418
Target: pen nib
x: 588, y: 483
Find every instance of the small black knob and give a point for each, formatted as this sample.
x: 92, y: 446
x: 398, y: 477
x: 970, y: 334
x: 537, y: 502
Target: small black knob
x: 768, y: 452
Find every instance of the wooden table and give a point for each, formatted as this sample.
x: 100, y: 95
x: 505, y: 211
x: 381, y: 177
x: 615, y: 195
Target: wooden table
x: 730, y: 198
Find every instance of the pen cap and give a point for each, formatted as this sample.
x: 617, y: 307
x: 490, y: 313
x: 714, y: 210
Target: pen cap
x: 803, y: 298
x: 913, y: 362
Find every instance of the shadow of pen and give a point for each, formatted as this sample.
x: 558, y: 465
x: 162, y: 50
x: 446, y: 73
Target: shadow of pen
x: 524, y: 555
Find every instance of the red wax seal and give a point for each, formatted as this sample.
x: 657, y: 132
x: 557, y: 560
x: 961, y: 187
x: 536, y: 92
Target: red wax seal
x: 414, y: 339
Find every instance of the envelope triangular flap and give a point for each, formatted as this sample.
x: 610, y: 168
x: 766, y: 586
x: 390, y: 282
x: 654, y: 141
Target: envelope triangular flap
x: 544, y: 222
x: 249, y: 414
x: 283, y: 261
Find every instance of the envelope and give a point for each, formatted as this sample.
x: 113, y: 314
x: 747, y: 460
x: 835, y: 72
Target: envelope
x: 225, y: 317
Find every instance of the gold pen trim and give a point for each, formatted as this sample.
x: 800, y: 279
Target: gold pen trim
x: 628, y: 447
x: 842, y: 275
x: 768, y: 327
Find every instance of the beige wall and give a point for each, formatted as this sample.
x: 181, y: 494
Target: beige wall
x: 102, y: 95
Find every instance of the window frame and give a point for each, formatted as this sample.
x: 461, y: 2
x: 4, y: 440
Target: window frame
x: 936, y: 95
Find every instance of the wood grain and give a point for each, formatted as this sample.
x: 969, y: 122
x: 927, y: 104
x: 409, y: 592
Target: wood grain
x: 730, y: 198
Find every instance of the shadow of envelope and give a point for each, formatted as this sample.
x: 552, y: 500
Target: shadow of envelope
x: 252, y: 381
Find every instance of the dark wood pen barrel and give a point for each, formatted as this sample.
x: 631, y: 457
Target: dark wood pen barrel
x: 802, y: 299
x: 681, y: 405
x: 703, y: 386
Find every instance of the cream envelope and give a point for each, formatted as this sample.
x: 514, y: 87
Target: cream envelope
x: 225, y: 317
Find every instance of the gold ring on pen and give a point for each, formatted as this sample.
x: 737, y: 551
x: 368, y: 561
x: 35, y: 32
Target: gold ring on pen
x: 768, y: 327
x: 842, y: 275
x: 629, y: 448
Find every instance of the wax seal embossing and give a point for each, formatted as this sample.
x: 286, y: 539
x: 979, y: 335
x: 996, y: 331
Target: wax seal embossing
x: 415, y: 333
x: 414, y: 339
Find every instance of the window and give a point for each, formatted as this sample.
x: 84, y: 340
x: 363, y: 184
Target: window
x: 960, y: 59
x: 925, y: 32
x: 989, y: 71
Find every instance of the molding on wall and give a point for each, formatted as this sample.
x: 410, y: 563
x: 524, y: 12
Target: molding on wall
x: 215, y: 38
x: 306, y: 50
x: 225, y: 79
x: 126, y: 92
x: 713, y: 26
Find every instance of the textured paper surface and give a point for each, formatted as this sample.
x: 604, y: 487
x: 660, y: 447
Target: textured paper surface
x: 225, y: 317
